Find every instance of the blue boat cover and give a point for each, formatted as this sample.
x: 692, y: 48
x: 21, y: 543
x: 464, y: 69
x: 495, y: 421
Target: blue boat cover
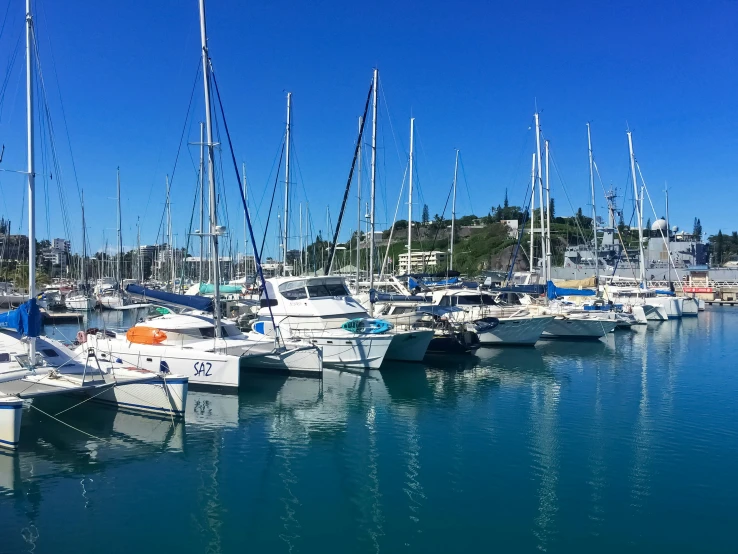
x: 26, y: 319
x: 209, y: 288
x: 197, y: 302
x: 553, y: 291
x: 665, y: 292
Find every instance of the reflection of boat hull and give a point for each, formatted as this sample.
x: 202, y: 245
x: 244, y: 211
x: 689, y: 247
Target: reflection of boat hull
x: 409, y: 346
x: 568, y: 328
x: 515, y: 331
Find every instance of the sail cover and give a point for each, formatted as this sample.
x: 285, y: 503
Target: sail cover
x: 197, y: 302
x: 26, y: 319
x: 554, y: 291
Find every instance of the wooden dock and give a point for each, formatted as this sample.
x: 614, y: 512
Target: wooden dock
x: 722, y: 302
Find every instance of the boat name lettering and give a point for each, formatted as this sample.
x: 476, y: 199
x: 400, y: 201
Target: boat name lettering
x: 203, y: 369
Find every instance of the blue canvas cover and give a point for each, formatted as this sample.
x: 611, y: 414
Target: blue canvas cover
x: 197, y: 302
x: 26, y: 319
x: 553, y: 291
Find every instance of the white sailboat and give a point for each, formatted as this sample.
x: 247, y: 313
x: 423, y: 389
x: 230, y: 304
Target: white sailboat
x: 80, y: 300
x: 115, y: 298
x: 32, y: 366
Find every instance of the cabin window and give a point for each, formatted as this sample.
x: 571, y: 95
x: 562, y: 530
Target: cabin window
x: 50, y: 353
x: 264, y: 303
x: 207, y: 332
x: 445, y: 301
x: 323, y: 290
x: 293, y: 290
x: 471, y: 300
x: 4, y: 357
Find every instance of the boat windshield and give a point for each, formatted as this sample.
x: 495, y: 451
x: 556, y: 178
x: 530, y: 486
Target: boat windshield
x: 474, y: 300
x: 329, y: 289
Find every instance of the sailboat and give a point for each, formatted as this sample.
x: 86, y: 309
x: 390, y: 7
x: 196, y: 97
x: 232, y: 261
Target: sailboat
x: 33, y: 366
x: 197, y: 340
x: 81, y: 300
x: 115, y: 298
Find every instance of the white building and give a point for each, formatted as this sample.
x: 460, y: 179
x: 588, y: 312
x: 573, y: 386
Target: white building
x: 423, y: 262
x: 61, y: 244
x: 512, y: 226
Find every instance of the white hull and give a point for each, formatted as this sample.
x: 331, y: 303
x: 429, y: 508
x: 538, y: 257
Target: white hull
x: 671, y: 305
x: 690, y: 306
x: 109, y: 302
x: 80, y: 303
x: 519, y: 331
x: 409, y: 346
x: 156, y: 396
x: 11, y: 411
x: 570, y: 328
x: 640, y: 315
x: 203, y: 368
x: 358, y: 352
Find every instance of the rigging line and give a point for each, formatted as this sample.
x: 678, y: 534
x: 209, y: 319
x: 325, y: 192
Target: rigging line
x: 271, y: 204
x: 466, y: 185
x: 438, y: 229
x: 357, y: 153
x: 566, y: 193
x: 9, y: 72
x: 184, y: 129
x: 394, y: 221
x: 67, y: 424
x: 5, y: 19
x: 195, y: 202
x: 257, y: 257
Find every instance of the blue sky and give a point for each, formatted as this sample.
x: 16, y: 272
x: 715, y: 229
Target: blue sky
x: 470, y: 73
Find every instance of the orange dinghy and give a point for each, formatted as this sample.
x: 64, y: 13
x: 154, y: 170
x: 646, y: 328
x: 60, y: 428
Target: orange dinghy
x: 145, y: 335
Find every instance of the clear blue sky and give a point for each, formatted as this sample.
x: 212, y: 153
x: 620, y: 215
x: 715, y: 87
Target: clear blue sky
x: 470, y: 73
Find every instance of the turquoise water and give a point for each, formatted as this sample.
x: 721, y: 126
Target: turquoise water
x: 625, y: 445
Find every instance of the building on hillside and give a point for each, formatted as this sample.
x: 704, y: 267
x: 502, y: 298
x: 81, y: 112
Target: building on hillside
x: 63, y: 245
x: 512, y: 227
x: 423, y: 262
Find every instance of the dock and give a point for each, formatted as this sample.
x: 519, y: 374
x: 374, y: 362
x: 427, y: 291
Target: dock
x: 719, y: 302
x: 61, y: 317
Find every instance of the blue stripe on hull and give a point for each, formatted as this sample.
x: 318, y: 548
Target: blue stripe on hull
x: 9, y: 443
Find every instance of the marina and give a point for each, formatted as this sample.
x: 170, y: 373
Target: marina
x: 388, y: 330
x: 626, y: 442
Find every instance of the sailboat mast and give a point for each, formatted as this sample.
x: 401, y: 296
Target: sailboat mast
x: 642, y: 268
x: 358, y: 214
x: 532, y: 210
x: 594, y: 208
x: 31, y: 174
x: 245, y: 224
x: 668, y: 230
x: 120, y: 240
x: 548, y: 214
x: 410, y: 199
x: 211, y: 170
x: 453, y: 210
x: 373, y: 182
x: 540, y: 197
x: 202, y: 196
x: 84, y: 242
x: 286, y: 185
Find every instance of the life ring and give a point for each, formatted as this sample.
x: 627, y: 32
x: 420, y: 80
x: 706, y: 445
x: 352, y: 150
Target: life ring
x: 81, y: 337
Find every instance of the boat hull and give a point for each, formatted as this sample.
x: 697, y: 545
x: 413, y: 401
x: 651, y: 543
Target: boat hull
x: 80, y: 304
x: 690, y: 307
x: 522, y: 331
x: 11, y: 411
x: 357, y: 352
x: 409, y: 346
x: 578, y: 329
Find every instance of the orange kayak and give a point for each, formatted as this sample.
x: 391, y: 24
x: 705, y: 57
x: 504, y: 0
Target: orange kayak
x: 145, y: 335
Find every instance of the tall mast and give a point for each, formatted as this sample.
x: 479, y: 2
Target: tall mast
x: 532, y: 210
x: 373, y: 183
x: 202, y: 198
x: 358, y: 214
x: 139, y: 272
x: 169, y: 233
x: 668, y: 231
x: 453, y: 210
x: 642, y: 268
x: 286, y: 185
x: 84, y: 242
x: 211, y: 170
x: 410, y: 200
x: 245, y: 225
x: 548, y: 216
x: 120, y: 240
x: 594, y: 208
x: 299, y: 232
x: 540, y: 197
x: 31, y: 174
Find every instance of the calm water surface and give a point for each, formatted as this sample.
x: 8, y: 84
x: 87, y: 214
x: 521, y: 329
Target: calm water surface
x: 625, y: 445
